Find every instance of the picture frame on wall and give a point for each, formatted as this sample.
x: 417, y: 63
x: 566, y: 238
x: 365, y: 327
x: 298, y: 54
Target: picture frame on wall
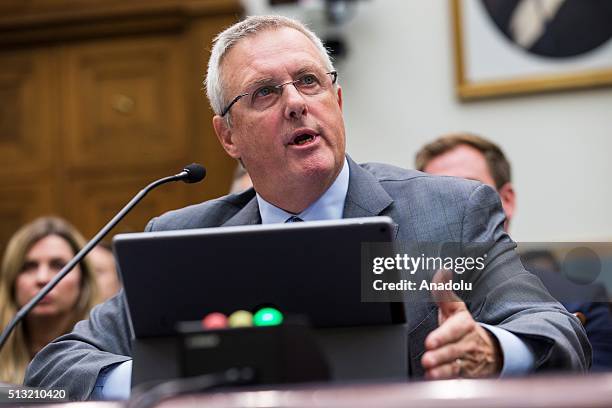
x: 514, y: 47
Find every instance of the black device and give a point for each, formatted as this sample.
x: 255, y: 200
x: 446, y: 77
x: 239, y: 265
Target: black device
x: 285, y: 353
x: 310, y: 269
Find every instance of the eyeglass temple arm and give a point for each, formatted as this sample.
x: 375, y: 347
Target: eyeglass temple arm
x: 236, y: 99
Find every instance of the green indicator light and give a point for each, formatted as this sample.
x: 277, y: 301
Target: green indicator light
x: 267, y: 317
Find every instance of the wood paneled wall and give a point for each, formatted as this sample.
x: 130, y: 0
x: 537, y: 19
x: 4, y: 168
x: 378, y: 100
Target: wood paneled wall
x: 97, y: 99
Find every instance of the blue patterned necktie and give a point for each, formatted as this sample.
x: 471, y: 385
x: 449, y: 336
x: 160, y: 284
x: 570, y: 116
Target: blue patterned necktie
x: 293, y: 218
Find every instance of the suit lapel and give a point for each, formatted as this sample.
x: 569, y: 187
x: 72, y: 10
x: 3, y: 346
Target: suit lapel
x: 248, y: 215
x: 365, y: 196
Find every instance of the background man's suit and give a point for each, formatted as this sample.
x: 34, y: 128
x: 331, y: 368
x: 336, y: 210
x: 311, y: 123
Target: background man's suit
x: 592, y: 301
x: 424, y: 208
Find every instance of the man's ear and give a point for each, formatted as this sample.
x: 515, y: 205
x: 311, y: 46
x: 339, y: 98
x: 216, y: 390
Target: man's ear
x: 340, y: 97
x: 508, y: 199
x: 225, y: 135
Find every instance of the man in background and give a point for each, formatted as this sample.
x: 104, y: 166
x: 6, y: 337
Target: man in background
x: 473, y: 157
x: 103, y: 263
x: 241, y: 181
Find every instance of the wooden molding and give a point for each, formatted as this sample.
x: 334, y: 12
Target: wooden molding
x: 45, y: 21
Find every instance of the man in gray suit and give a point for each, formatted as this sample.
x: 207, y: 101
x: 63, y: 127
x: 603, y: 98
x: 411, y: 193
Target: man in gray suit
x: 278, y: 109
x: 473, y: 157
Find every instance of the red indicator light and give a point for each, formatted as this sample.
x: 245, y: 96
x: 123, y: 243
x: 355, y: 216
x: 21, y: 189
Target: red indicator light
x: 214, y: 320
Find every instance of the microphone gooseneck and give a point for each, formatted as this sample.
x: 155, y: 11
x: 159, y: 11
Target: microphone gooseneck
x: 190, y: 174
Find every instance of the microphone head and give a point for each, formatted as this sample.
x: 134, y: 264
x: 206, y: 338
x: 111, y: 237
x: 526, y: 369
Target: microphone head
x: 195, y: 173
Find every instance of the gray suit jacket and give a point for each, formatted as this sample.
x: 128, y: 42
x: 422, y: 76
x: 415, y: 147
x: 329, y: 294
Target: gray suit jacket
x: 425, y: 208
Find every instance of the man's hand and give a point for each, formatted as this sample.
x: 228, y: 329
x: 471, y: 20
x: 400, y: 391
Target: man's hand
x: 459, y: 347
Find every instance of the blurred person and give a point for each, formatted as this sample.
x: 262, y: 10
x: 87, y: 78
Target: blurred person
x: 242, y: 180
x: 470, y: 157
x: 33, y: 256
x: 103, y: 264
x: 473, y: 157
x: 540, y: 259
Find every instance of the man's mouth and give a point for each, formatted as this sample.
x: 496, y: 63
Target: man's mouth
x: 303, y: 138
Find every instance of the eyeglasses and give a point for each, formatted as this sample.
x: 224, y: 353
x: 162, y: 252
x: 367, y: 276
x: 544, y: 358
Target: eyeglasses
x: 266, y: 96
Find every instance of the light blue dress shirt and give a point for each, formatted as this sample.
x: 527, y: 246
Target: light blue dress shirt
x: 329, y: 206
x: 114, y: 381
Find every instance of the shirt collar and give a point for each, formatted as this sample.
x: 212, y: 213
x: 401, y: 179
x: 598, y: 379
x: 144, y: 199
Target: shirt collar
x: 329, y: 206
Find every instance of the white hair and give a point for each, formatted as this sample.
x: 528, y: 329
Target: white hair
x: 243, y: 29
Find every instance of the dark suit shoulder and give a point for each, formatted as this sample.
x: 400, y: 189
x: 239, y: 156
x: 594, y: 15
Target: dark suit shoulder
x: 212, y: 213
x: 417, y: 196
x: 419, y: 184
x: 387, y: 172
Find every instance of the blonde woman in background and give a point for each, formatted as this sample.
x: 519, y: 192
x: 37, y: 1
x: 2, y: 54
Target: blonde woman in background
x: 34, y: 255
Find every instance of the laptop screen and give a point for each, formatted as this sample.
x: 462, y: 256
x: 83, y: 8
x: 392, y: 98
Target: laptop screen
x: 307, y: 269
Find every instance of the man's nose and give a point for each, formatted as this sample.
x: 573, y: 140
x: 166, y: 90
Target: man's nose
x: 295, y: 102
